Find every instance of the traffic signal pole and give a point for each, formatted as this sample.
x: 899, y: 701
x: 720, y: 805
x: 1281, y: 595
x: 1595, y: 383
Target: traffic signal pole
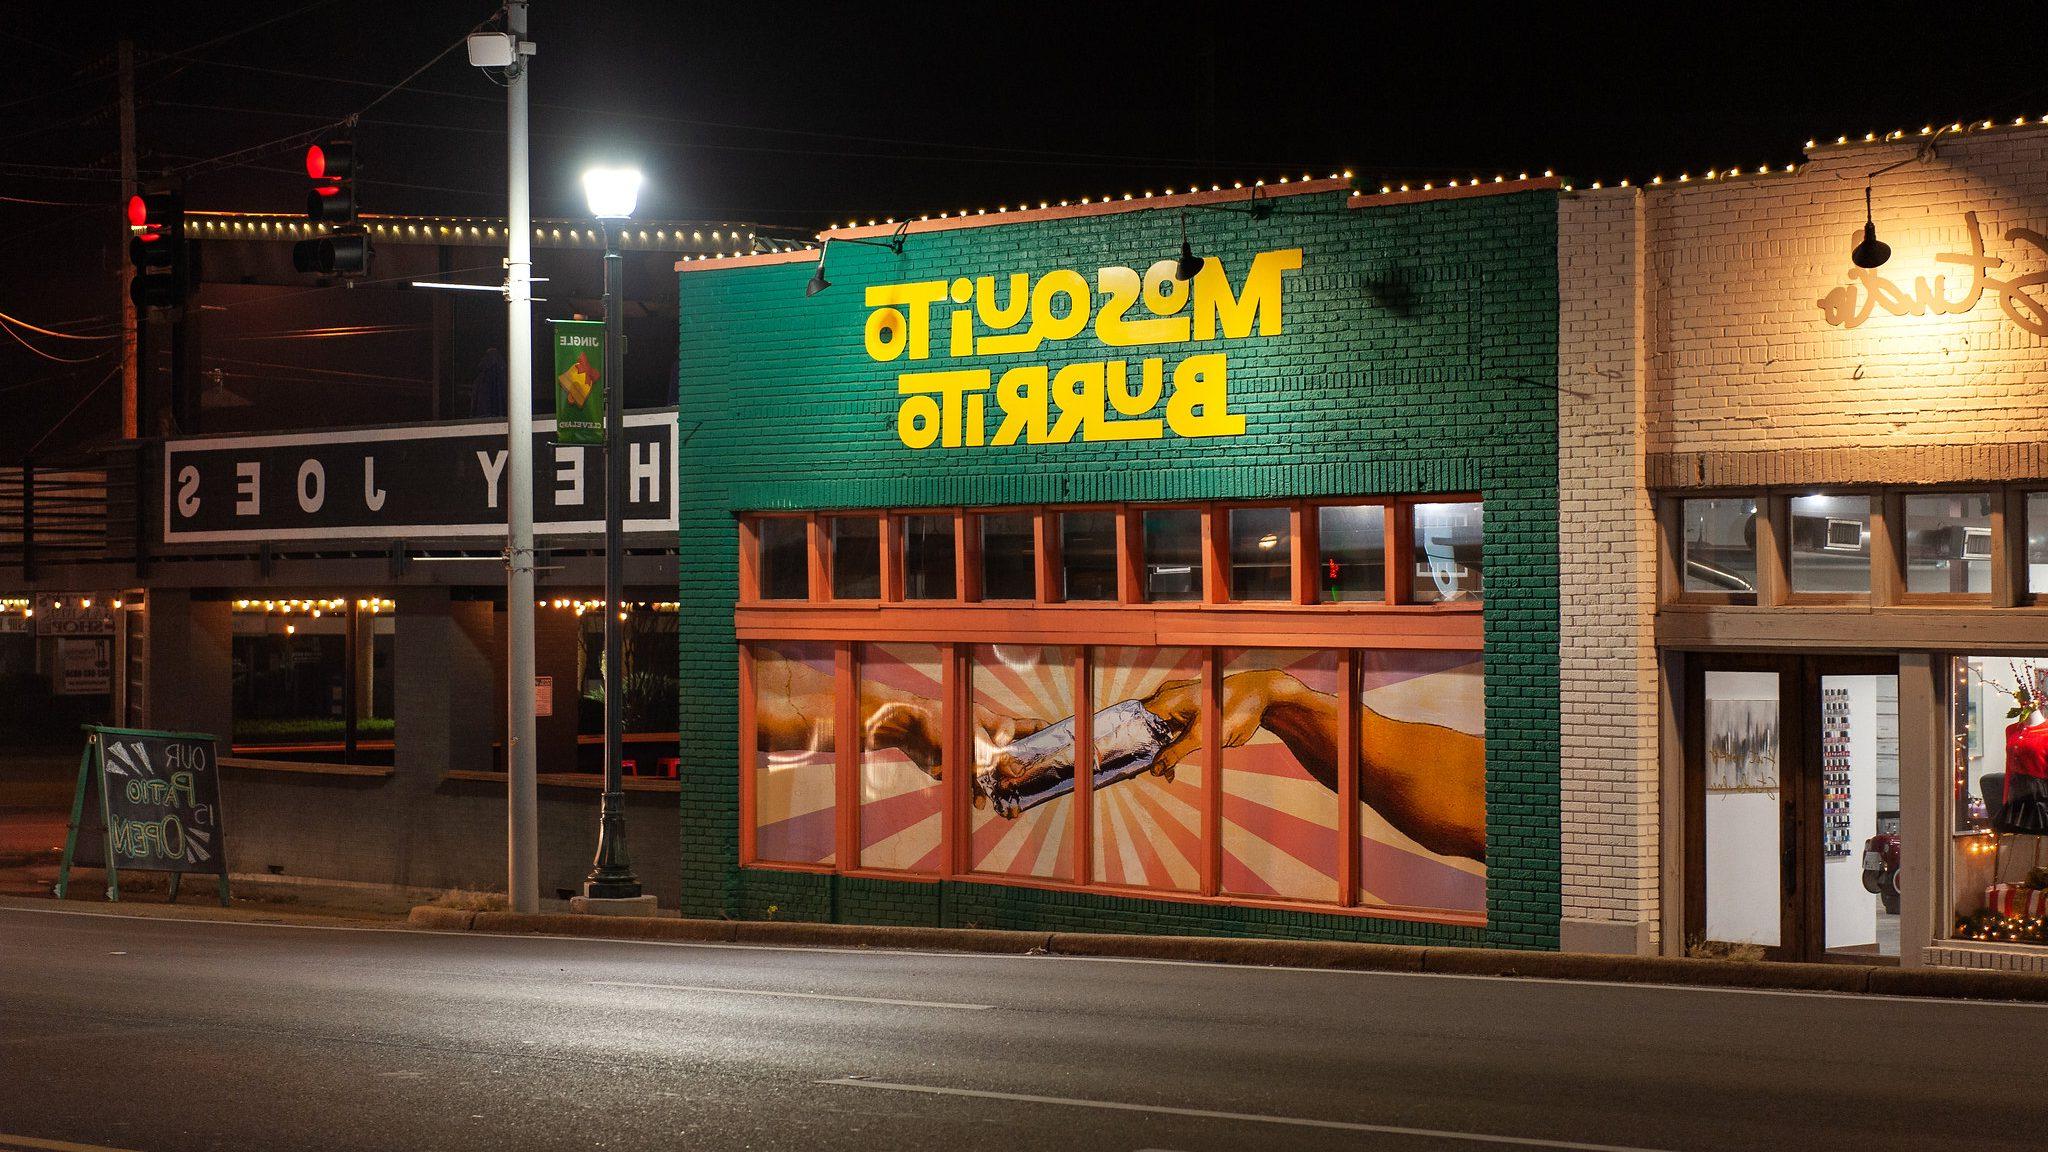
x: 522, y: 881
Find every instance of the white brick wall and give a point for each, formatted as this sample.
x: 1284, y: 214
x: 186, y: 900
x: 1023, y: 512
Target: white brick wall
x: 1690, y: 322
x: 1608, y: 575
x: 1741, y: 357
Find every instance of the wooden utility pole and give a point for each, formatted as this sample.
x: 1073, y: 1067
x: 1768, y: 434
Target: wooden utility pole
x: 130, y: 371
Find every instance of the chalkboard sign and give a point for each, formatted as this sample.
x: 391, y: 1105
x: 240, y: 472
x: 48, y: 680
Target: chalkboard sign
x: 159, y: 808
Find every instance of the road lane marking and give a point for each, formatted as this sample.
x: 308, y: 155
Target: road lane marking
x: 1704, y: 989
x: 10, y: 1143
x: 792, y: 995
x: 1251, y: 1117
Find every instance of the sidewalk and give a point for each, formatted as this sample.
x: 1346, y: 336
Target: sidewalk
x: 1947, y: 983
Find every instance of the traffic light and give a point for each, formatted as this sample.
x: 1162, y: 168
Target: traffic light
x: 345, y: 249
x: 157, y: 250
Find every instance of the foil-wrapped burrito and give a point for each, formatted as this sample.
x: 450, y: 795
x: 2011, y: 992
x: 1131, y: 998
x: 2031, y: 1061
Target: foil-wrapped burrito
x: 1022, y: 775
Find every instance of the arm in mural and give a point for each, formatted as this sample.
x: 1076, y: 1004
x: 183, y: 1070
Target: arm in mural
x: 1426, y: 780
x: 794, y: 709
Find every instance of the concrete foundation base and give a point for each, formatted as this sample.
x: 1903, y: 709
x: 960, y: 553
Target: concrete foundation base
x: 1605, y: 937
x: 631, y: 906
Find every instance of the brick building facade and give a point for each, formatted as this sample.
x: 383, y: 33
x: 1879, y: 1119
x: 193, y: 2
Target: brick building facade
x: 1775, y: 464
x: 1409, y: 361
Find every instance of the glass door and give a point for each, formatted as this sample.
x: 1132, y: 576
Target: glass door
x: 1854, y: 793
x: 1742, y: 716
x: 1792, y: 807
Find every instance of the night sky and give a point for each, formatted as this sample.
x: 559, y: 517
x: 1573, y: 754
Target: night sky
x: 800, y: 115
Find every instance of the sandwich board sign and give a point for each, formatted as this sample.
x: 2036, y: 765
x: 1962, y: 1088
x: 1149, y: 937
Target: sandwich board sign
x: 158, y: 810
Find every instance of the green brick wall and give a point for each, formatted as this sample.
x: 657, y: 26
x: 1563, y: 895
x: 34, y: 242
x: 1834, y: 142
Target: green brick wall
x: 1420, y: 355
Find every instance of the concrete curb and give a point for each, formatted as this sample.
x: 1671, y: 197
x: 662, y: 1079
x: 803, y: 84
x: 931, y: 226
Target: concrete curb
x: 1946, y: 983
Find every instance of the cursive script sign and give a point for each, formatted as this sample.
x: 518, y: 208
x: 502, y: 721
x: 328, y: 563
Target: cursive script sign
x: 1849, y: 305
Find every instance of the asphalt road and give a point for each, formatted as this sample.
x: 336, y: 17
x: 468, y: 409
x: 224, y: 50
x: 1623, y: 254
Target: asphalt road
x: 167, y: 1035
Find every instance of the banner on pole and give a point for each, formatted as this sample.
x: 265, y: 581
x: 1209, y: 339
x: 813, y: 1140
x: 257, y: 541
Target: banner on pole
x: 579, y: 381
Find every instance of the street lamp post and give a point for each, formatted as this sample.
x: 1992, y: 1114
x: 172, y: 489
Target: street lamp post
x: 612, y: 193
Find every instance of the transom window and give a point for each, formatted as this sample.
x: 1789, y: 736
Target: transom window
x: 1378, y: 553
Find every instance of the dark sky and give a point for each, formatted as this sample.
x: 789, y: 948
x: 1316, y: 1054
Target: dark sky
x: 800, y: 114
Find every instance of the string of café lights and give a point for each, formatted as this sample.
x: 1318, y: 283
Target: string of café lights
x: 1358, y: 195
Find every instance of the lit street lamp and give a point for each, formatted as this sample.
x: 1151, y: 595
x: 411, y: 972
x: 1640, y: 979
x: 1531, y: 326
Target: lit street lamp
x: 611, y: 194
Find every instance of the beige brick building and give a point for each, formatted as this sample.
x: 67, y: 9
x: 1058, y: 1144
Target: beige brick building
x: 1803, y: 514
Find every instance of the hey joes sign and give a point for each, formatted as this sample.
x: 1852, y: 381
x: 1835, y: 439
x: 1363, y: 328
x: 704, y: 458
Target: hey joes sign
x: 433, y: 480
x: 1143, y: 397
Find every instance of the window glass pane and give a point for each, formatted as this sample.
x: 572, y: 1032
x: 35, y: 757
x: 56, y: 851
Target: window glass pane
x: 649, y: 683
x: 1948, y: 542
x: 1009, y: 557
x: 1859, y: 826
x: 1173, y: 554
x: 1148, y: 824
x: 1023, y: 787
x: 1352, y: 564
x: 1261, y: 554
x: 928, y: 570
x: 785, y: 557
x: 1830, y: 543
x: 2000, y: 751
x: 856, y: 557
x: 1088, y: 555
x: 1742, y: 809
x: 2037, y: 541
x: 1422, y: 834
x: 902, y: 800
x: 1449, y: 553
x: 794, y: 795
x: 1720, y: 544
x: 289, y: 679
x: 1280, y: 782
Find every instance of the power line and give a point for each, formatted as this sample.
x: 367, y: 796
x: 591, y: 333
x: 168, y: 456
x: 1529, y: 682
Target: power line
x: 9, y: 329
x: 90, y: 393
x: 19, y: 322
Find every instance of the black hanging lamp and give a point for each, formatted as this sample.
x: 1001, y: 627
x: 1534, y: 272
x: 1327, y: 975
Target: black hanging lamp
x: 1872, y: 252
x: 1189, y: 265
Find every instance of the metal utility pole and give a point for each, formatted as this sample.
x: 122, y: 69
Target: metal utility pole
x: 124, y: 57
x: 522, y: 864
x: 611, y: 874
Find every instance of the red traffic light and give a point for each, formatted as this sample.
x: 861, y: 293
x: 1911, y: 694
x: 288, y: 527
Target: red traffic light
x: 138, y: 211
x: 335, y: 160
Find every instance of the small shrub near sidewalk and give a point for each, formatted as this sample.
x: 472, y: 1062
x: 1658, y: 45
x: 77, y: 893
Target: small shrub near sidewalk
x: 468, y: 901
x: 1723, y: 950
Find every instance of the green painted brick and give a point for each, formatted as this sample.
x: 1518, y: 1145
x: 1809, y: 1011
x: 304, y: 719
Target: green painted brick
x: 1420, y: 355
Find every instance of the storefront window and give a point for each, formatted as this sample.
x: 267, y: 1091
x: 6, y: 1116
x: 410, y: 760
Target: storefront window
x: 902, y: 799
x: 1352, y: 557
x: 1422, y: 779
x: 1173, y: 553
x: 785, y: 557
x: 1009, y: 557
x: 1147, y: 786
x: 649, y: 688
x: 1261, y: 554
x: 1948, y: 543
x: 1831, y: 544
x: 1719, y: 535
x: 794, y: 798
x: 314, y: 680
x: 1450, y: 544
x: 1088, y: 555
x: 928, y: 568
x: 1280, y: 777
x: 2000, y: 798
x: 2037, y: 542
x: 1023, y: 741
x: 856, y: 557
